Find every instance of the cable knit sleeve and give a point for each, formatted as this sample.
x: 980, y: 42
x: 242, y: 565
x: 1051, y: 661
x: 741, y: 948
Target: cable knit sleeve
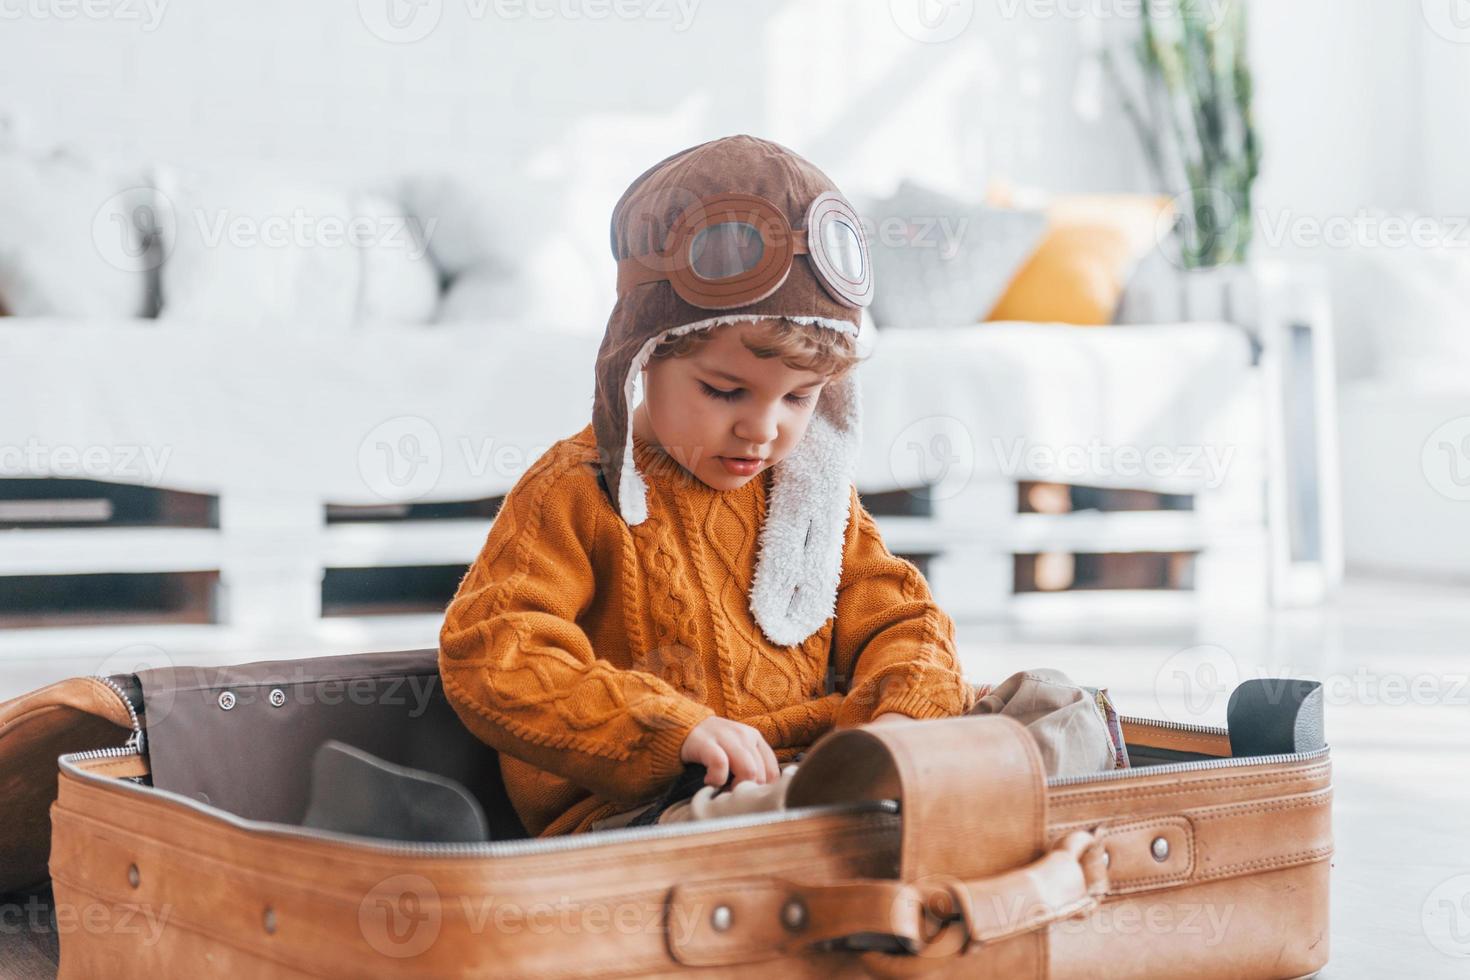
x: 522, y: 674
x: 895, y: 646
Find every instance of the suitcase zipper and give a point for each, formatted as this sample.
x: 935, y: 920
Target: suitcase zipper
x: 1195, y: 766
x: 1174, y: 726
x: 135, y: 739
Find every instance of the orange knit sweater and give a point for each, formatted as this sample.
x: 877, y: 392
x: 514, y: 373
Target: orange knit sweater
x: 584, y: 650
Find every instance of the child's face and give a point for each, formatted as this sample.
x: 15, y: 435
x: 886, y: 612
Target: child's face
x: 722, y: 402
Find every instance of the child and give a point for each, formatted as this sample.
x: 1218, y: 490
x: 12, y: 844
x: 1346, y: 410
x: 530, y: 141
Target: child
x: 671, y: 585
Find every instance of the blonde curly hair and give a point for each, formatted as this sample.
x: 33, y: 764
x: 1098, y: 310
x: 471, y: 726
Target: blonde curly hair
x: 801, y: 347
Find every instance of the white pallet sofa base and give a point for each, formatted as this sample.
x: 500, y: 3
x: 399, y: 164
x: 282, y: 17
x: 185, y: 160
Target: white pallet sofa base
x: 275, y: 425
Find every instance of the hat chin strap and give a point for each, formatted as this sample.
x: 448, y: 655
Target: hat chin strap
x: 799, y: 566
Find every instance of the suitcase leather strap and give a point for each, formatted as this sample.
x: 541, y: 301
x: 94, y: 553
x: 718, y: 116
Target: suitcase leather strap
x: 972, y: 870
x: 936, y: 918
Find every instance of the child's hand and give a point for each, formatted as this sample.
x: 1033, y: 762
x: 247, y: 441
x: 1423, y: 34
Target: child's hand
x: 724, y: 747
x: 888, y: 716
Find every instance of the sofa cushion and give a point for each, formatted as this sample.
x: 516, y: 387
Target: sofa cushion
x: 939, y: 261
x: 70, y: 243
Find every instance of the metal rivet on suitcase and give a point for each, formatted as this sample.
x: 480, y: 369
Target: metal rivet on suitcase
x: 793, y: 915
x: 133, y: 876
x: 1107, y: 858
x: 226, y: 700
x: 278, y: 697
x: 1160, y: 849
x: 269, y: 920
x: 721, y: 918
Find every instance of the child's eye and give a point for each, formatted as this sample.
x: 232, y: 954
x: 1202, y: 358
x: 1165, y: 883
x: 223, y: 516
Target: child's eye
x: 720, y: 393
x: 734, y: 393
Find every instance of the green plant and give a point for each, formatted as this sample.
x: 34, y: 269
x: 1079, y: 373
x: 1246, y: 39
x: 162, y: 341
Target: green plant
x: 1190, y: 105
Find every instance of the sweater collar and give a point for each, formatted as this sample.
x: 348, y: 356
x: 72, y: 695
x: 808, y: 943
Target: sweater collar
x: 661, y: 469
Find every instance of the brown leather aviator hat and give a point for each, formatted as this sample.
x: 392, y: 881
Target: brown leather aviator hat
x: 742, y: 229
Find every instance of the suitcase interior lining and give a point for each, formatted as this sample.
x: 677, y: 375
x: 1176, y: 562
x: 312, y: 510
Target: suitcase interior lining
x: 254, y: 758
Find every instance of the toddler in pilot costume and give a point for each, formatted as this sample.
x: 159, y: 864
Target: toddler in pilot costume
x: 690, y: 592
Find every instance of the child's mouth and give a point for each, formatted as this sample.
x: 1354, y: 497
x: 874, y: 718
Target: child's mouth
x: 740, y: 466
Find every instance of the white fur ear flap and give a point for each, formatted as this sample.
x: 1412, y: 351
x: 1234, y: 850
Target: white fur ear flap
x: 800, y: 564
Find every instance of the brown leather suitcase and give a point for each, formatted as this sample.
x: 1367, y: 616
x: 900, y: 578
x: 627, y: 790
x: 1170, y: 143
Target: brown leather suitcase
x: 933, y: 848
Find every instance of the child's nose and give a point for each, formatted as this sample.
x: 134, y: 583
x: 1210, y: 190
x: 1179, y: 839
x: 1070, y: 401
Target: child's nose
x: 758, y: 428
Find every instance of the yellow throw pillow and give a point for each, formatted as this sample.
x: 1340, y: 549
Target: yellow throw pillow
x: 1091, y: 246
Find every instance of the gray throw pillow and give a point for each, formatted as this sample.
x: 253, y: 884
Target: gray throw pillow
x: 939, y: 261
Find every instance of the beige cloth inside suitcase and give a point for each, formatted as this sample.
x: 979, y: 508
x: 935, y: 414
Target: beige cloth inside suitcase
x: 1063, y: 718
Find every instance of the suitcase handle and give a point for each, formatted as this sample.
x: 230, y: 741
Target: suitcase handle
x: 749, y: 919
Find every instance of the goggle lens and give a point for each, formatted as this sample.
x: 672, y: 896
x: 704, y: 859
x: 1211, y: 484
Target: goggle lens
x: 843, y: 247
x: 727, y: 249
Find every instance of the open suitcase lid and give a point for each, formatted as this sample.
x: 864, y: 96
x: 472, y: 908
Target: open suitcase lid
x: 73, y: 715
